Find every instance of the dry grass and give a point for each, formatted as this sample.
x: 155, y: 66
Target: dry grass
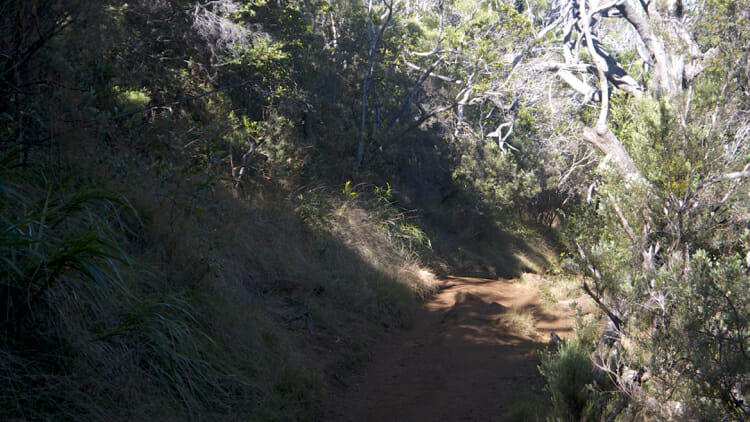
x: 279, y: 285
x: 219, y: 308
x: 375, y: 245
x: 520, y: 322
x: 557, y: 291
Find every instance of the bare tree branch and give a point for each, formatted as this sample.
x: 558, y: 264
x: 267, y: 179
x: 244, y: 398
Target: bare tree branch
x: 622, y: 218
x: 604, y: 140
x: 374, y: 39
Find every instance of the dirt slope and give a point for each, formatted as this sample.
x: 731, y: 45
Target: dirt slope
x: 459, y: 362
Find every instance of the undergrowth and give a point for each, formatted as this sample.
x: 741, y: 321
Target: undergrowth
x: 120, y: 301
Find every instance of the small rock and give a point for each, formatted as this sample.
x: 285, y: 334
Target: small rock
x: 555, y: 340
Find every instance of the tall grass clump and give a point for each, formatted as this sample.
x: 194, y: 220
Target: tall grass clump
x: 385, y: 237
x: 53, y: 232
x: 57, y: 245
x: 89, y: 332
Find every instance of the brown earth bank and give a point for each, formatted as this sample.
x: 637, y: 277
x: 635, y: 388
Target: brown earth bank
x: 469, y: 356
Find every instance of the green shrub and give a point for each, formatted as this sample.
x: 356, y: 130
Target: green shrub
x: 570, y: 378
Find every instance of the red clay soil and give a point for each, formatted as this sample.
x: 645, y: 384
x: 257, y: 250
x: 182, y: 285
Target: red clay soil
x: 458, y: 362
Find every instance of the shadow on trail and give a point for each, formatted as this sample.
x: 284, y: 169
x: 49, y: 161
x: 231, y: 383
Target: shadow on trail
x: 478, y: 246
x: 460, y: 362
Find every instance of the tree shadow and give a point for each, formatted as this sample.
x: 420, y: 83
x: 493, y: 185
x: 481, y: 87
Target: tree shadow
x: 458, y: 363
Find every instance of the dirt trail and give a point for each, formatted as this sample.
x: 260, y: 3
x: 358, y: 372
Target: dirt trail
x: 459, y: 362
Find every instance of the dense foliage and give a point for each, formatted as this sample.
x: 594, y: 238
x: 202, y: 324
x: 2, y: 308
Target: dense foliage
x: 197, y: 197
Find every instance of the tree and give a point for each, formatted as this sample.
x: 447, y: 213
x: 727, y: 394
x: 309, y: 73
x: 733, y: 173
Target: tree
x: 664, y: 247
x: 659, y: 26
x: 461, y: 49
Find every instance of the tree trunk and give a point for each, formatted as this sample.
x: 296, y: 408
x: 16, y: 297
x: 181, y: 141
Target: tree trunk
x: 605, y: 141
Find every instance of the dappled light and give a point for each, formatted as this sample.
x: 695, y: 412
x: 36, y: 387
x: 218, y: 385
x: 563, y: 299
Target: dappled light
x: 460, y: 360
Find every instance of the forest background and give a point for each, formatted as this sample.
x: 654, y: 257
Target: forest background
x: 211, y: 210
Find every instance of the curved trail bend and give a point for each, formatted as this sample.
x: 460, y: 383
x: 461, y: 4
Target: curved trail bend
x: 459, y: 361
